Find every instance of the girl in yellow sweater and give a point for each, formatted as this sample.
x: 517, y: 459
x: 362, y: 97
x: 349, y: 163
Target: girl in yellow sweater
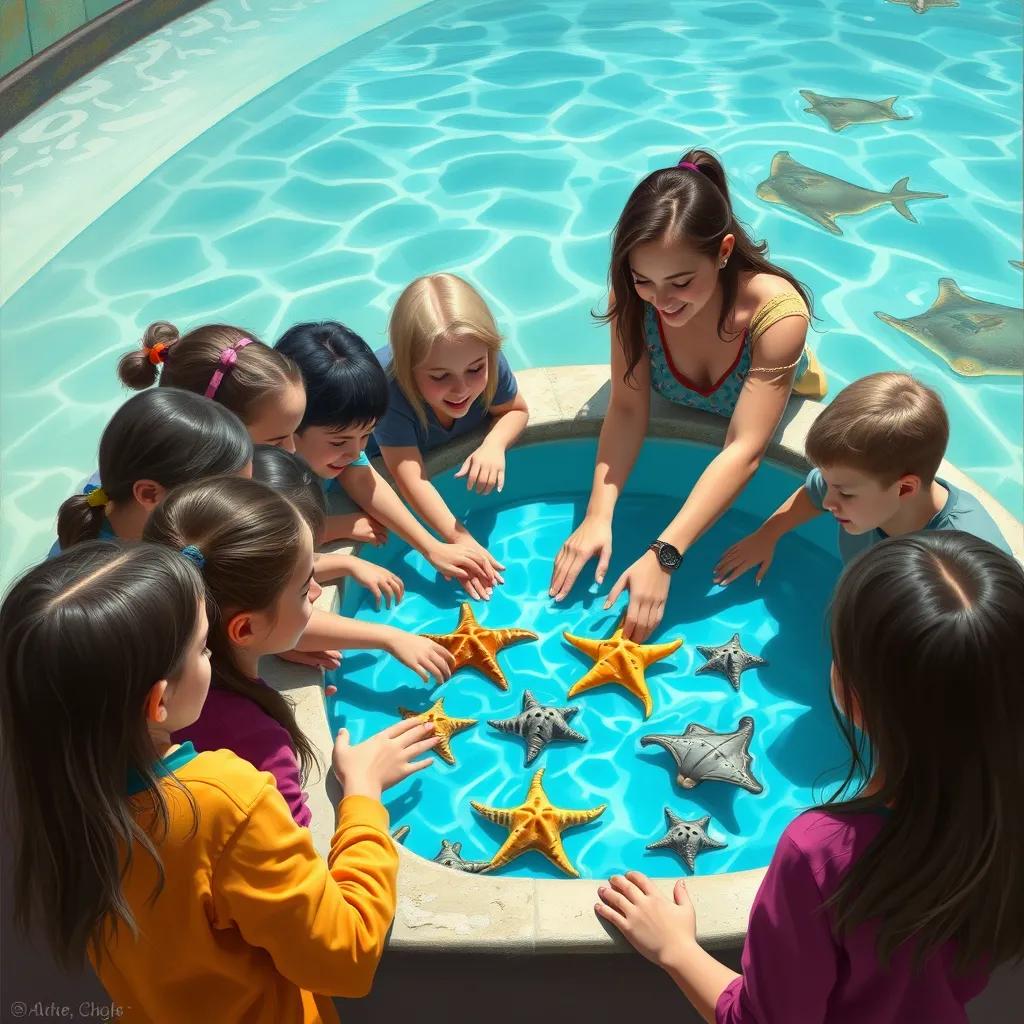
x: 181, y: 875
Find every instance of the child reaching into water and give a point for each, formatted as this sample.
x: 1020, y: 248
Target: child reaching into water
x: 154, y: 442
x: 891, y: 905
x: 180, y: 874
x: 446, y: 377
x: 231, y: 366
x: 256, y: 556
x: 346, y: 394
x: 876, y: 450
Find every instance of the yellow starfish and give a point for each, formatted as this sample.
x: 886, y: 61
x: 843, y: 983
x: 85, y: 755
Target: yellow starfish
x: 476, y: 646
x: 618, y: 660
x: 536, y: 824
x: 444, y: 727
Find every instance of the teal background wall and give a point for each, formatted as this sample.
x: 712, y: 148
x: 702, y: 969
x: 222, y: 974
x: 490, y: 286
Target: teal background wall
x: 29, y: 26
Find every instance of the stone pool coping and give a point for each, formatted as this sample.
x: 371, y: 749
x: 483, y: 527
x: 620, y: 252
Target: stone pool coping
x: 441, y: 910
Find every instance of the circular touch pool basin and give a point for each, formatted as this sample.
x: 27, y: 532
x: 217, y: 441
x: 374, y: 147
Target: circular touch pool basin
x: 796, y: 748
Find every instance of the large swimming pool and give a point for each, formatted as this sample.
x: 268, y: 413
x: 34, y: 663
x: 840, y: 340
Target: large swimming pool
x: 500, y: 141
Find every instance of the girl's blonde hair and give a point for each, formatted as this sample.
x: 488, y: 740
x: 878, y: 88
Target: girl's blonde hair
x: 435, y: 307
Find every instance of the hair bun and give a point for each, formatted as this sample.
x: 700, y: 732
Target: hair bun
x: 160, y: 332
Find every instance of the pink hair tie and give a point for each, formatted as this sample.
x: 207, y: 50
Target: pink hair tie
x: 687, y: 166
x: 228, y: 358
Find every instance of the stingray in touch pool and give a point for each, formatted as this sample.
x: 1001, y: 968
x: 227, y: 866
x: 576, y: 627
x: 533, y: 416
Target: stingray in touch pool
x: 921, y: 6
x: 973, y: 336
x: 842, y: 111
x: 823, y: 198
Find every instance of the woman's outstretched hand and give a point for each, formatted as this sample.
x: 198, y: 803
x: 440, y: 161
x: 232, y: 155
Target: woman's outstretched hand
x: 648, y: 585
x: 592, y: 537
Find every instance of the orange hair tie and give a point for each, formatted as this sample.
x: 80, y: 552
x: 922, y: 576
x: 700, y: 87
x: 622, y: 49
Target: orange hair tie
x: 156, y: 353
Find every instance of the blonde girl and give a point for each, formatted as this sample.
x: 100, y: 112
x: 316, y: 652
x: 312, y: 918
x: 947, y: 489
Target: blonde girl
x: 447, y: 376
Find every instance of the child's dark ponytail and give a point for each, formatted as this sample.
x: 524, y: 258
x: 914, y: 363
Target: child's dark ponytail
x: 689, y: 202
x: 138, y: 369
x: 167, y: 436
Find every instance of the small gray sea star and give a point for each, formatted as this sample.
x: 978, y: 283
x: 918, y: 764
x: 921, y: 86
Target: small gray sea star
x: 730, y: 659
x: 687, y: 838
x: 539, y: 724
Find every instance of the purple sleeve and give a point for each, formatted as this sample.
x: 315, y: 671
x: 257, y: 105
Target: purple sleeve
x: 281, y: 761
x: 790, y: 955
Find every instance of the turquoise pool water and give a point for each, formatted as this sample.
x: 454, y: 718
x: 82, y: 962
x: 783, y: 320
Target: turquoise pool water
x: 796, y: 747
x: 502, y: 146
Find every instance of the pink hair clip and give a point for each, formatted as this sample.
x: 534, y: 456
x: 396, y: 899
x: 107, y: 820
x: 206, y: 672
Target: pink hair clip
x: 228, y: 358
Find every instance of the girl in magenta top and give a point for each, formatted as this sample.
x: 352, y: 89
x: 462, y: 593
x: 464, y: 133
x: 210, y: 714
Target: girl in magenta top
x: 893, y: 904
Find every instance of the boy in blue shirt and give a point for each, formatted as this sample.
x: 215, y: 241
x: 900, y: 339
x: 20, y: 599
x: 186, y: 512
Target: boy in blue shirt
x: 876, y: 449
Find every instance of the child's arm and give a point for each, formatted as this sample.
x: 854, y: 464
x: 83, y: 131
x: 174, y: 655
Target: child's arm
x: 759, y: 547
x: 323, y: 925
x: 370, y: 491
x: 485, y: 468
x: 326, y: 631
x: 383, y: 584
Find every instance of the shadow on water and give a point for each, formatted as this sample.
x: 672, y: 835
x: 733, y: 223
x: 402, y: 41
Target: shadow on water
x: 715, y: 798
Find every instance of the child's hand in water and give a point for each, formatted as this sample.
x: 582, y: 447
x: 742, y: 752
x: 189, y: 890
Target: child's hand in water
x: 427, y: 658
x: 469, y: 563
x: 756, y: 549
x: 376, y: 764
x: 314, y: 659
x: 484, y: 469
x: 659, y: 928
x: 383, y: 584
x: 360, y: 527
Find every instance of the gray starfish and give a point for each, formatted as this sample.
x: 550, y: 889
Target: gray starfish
x: 973, y: 336
x: 450, y: 855
x: 921, y: 6
x: 822, y: 198
x: 401, y: 834
x: 702, y: 755
x: 687, y: 838
x: 842, y: 111
x: 539, y: 724
x: 730, y: 659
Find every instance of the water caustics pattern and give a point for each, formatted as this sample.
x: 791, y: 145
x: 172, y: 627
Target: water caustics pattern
x: 796, y: 747
x: 500, y: 141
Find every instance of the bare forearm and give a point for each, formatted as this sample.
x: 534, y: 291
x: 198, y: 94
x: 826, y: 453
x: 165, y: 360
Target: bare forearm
x: 375, y: 496
x: 507, y: 428
x: 796, y: 510
x: 326, y: 631
x: 718, y: 487
x: 332, y: 565
x: 428, y: 504
x: 622, y: 434
x: 701, y: 978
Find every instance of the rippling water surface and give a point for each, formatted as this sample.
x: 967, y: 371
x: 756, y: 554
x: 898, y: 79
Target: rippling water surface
x: 500, y: 141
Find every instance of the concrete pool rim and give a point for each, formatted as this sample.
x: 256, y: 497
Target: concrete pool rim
x: 442, y: 910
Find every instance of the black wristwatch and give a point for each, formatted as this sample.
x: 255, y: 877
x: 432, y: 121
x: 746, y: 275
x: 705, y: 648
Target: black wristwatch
x: 668, y: 557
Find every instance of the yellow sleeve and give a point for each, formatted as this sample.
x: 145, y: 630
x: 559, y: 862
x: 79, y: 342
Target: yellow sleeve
x: 324, y: 927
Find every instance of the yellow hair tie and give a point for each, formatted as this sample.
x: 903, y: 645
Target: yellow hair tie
x: 96, y: 498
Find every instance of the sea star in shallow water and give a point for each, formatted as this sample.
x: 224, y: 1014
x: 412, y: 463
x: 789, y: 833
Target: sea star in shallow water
x: 536, y: 824
x: 621, y: 661
x: 539, y: 724
x: 476, y: 646
x: 730, y: 659
x: 687, y: 837
x: 445, y: 727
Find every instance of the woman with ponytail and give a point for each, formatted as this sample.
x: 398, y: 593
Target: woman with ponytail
x: 698, y: 314
x: 260, y: 385
x: 154, y: 442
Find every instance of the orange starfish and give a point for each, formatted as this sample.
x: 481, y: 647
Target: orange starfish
x: 476, y: 646
x: 444, y: 727
x: 536, y: 824
x: 618, y: 660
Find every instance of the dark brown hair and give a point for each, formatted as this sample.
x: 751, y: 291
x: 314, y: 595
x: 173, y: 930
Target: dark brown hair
x: 290, y: 476
x: 926, y: 632
x: 84, y: 637
x: 250, y: 538
x: 168, y: 436
x: 190, y: 360
x: 680, y: 204
x: 885, y: 424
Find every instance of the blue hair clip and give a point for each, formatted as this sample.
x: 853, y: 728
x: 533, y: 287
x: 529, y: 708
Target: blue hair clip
x: 194, y: 555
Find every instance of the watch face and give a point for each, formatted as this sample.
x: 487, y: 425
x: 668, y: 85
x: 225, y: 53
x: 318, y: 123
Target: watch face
x: 669, y: 557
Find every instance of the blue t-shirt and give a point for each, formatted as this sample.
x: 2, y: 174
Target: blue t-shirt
x: 332, y: 484
x: 400, y: 427
x: 962, y: 511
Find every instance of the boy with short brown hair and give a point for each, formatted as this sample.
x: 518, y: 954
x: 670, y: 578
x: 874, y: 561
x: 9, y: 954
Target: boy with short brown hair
x: 876, y: 449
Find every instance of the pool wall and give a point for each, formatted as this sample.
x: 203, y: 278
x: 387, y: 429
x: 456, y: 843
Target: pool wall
x: 441, y: 910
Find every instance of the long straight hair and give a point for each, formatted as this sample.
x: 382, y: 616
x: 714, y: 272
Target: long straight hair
x: 165, y: 435
x: 681, y: 205
x: 926, y: 631
x: 250, y: 537
x: 84, y: 637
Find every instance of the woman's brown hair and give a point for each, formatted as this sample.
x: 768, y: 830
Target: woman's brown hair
x: 926, y: 632
x: 250, y: 538
x: 681, y: 204
x: 189, y: 361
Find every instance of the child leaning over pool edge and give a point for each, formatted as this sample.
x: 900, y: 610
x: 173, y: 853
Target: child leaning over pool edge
x: 892, y: 905
x: 876, y: 450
